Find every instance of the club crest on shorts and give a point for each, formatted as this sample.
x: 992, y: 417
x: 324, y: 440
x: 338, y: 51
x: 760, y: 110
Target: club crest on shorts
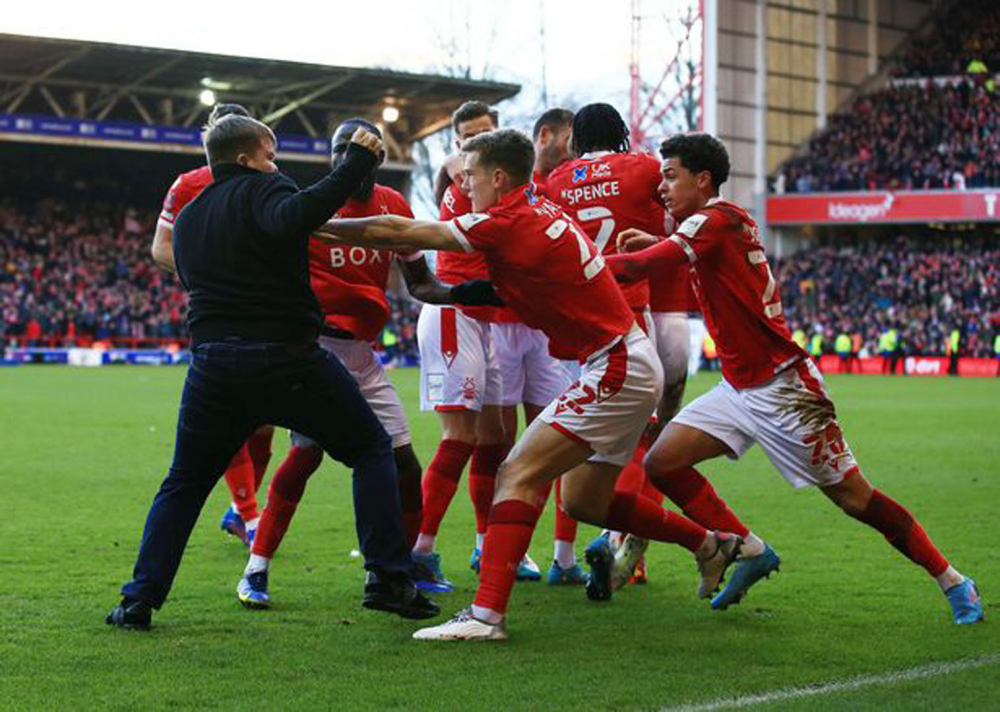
x: 469, y: 389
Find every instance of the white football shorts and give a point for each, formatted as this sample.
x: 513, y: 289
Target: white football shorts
x: 528, y: 372
x: 672, y: 337
x: 791, y: 416
x: 608, y: 407
x: 458, y: 366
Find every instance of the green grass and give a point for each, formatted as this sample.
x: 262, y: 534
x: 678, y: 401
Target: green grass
x: 84, y: 451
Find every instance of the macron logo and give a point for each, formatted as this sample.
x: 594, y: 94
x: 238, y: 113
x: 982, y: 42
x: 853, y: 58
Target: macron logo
x: 860, y: 212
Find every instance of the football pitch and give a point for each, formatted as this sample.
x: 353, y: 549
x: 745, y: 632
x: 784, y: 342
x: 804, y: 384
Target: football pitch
x: 847, y: 624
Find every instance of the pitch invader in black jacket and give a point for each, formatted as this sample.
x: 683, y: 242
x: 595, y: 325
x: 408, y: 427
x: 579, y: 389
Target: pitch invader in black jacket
x: 241, y: 249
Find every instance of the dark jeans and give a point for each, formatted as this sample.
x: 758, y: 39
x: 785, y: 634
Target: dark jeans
x: 232, y: 388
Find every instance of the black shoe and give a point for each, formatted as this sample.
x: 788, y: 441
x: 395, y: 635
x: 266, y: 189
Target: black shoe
x: 395, y: 593
x: 131, y: 614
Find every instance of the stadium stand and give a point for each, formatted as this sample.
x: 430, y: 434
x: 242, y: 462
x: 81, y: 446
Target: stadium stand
x: 923, y: 286
x: 932, y: 127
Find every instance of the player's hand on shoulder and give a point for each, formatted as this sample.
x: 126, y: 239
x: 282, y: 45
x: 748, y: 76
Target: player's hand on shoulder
x: 367, y: 140
x: 633, y: 240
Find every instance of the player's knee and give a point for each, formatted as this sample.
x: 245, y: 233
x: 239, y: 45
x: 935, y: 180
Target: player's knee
x: 583, y: 509
x: 659, y: 463
x: 460, y: 425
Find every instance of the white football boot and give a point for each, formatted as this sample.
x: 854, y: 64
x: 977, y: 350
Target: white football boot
x: 464, y: 626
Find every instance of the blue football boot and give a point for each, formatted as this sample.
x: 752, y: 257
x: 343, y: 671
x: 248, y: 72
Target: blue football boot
x: 600, y: 557
x: 966, y: 603
x: 232, y: 523
x: 746, y: 573
x: 427, y: 575
x: 570, y: 576
x: 528, y: 570
x: 476, y: 559
x: 252, y: 591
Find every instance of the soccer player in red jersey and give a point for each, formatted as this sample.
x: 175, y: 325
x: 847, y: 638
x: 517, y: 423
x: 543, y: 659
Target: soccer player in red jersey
x: 247, y: 468
x: 350, y: 284
x: 546, y: 269
x: 531, y: 376
x: 608, y: 189
x: 460, y: 378
x: 771, y: 392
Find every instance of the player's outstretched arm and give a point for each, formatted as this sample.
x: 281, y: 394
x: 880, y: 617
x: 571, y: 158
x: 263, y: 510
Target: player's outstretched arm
x: 662, y: 257
x: 391, y: 232
x: 425, y: 286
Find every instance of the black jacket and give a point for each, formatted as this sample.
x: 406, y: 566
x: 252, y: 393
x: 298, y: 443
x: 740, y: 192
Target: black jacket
x: 242, y: 250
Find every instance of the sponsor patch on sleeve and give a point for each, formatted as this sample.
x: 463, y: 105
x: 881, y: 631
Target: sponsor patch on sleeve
x: 470, y: 220
x: 691, y: 226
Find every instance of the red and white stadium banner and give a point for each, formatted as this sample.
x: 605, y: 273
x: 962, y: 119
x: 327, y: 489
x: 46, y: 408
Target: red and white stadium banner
x: 914, y: 366
x: 905, y: 206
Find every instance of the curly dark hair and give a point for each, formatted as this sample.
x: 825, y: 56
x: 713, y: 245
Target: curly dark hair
x: 699, y: 152
x: 599, y: 127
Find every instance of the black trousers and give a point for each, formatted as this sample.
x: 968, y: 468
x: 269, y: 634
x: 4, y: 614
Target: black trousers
x: 232, y: 388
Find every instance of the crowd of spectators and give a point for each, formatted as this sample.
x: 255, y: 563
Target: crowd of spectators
x: 968, y: 32
x: 75, y: 272
x: 904, y: 138
x: 924, y: 287
x: 78, y: 272
x: 941, y: 133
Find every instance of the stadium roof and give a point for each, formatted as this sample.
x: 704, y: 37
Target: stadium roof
x: 98, y: 81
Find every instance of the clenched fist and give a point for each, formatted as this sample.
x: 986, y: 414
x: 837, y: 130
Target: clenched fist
x: 368, y: 140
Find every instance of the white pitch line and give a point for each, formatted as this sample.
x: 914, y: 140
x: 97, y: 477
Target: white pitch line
x: 854, y: 683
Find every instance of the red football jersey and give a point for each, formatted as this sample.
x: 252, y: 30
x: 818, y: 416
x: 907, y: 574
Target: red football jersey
x: 610, y: 192
x: 545, y: 267
x: 737, y: 292
x: 455, y: 267
x: 350, y: 282
x: 183, y: 191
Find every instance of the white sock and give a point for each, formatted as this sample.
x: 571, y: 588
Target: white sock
x: 425, y: 544
x: 480, y: 538
x: 565, y: 554
x: 256, y: 563
x: 753, y: 545
x: 949, y: 578
x: 487, y: 615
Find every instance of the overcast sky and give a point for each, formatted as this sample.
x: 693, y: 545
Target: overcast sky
x: 587, y: 42
x: 585, y: 52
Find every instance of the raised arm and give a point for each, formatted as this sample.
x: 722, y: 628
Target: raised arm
x: 280, y: 210
x: 391, y: 232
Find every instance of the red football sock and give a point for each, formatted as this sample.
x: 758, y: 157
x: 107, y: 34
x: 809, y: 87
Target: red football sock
x: 689, y: 490
x: 486, y: 461
x: 291, y: 476
x: 637, y: 515
x: 273, y: 524
x: 904, y: 532
x: 287, y: 486
x: 511, y: 525
x: 259, y: 447
x: 565, y: 524
x: 240, y: 479
x: 441, y: 482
